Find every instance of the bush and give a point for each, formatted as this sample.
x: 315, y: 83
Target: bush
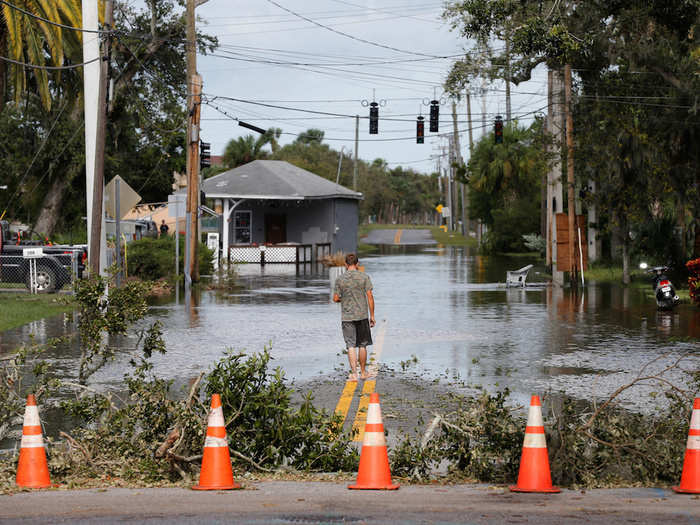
x: 152, y: 259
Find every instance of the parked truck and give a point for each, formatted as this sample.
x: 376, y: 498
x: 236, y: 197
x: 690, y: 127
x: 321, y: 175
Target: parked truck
x: 54, y: 268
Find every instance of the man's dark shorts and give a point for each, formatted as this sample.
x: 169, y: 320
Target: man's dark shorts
x: 357, y: 333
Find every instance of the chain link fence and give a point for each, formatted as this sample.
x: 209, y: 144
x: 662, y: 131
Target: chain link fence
x: 41, y: 273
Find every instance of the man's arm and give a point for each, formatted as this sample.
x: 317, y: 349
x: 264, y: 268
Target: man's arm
x: 370, y: 302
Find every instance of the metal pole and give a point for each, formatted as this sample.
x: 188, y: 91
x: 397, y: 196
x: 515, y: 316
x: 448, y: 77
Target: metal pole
x: 177, y: 247
x: 117, y: 227
x: 357, y: 142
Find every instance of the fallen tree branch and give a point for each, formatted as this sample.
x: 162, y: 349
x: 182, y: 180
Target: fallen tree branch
x: 75, y: 443
x: 249, y: 460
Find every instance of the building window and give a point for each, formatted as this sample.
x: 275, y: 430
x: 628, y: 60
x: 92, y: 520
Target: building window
x: 241, y: 226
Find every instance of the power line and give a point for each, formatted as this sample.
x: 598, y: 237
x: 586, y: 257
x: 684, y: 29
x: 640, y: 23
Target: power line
x: 48, y: 68
x: 324, y: 64
x: 341, y: 33
x: 29, y: 13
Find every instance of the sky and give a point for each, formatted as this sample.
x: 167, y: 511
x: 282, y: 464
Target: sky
x: 322, y: 70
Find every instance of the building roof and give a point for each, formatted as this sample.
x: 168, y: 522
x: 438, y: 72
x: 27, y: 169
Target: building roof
x: 273, y: 180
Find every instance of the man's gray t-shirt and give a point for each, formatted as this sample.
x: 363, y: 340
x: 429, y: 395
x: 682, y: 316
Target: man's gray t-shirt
x: 352, y: 288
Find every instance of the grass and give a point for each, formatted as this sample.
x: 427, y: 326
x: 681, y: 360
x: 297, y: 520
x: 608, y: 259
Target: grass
x: 613, y: 274
x: 445, y: 238
x: 17, y: 309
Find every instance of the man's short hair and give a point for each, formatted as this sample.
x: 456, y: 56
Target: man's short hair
x: 351, y: 259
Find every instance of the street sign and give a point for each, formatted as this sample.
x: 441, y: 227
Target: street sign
x: 32, y: 253
x: 439, y: 208
x: 128, y: 198
x: 177, y: 204
x: 445, y: 211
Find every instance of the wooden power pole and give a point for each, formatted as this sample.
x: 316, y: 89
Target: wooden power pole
x: 571, y: 207
x: 195, y: 87
x: 458, y: 157
x: 194, y: 82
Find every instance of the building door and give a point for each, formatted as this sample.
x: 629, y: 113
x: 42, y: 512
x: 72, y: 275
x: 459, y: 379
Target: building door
x: 275, y: 228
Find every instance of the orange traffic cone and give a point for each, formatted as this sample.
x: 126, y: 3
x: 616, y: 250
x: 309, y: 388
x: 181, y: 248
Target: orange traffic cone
x: 534, y: 475
x: 216, y: 473
x: 374, y: 472
x: 32, y: 469
x: 690, y: 479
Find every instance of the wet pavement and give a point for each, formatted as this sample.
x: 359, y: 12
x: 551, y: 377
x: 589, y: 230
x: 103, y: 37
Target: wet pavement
x: 287, y: 502
x: 399, y: 237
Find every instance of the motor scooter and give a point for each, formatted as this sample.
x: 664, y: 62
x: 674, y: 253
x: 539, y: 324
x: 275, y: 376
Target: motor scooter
x: 664, y: 292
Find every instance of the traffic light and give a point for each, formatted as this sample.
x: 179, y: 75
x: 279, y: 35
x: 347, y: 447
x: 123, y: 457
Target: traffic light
x: 373, y: 118
x: 204, y: 155
x: 498, y: 130
x: 420, y: 130
x: 434, y: 115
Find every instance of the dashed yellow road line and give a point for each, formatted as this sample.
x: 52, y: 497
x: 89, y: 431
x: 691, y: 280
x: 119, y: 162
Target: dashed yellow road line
x: 361, y: 418
x: 346, y: 399
x: 369, y: 386
x: 397, y: 237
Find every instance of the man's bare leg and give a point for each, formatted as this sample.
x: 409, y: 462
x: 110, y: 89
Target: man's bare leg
x: 363, y: 362
x: 352, y: 358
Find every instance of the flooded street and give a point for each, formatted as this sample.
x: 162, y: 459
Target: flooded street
x: 447, y: 314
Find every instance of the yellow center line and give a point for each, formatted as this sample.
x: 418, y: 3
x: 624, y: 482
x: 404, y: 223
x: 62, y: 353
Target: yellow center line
x: 397, y: 237
x: 369, y: 386
x: 361, y: 417
x: 345, y: 400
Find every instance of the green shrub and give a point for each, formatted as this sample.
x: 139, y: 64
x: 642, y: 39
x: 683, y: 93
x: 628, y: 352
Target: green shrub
x: 152, y: 259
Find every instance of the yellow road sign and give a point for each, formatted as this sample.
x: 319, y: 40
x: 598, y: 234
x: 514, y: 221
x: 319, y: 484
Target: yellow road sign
x: 439, y: 208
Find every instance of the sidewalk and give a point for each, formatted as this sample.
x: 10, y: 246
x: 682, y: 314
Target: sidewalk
x: 286, y: 502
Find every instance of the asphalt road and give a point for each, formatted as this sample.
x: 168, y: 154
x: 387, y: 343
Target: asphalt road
x: 288, y: 502
x: 404, y: 237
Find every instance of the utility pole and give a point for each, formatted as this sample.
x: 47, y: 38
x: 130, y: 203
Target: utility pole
x: 555, y: 194
x: 355, y: 167
x: 508, y: 113
x: 458, y: 151
x: 450, y: 195
x: 95, y: 133
x: 570, y: 173
x: 192, y: 209
x: 471, y: 153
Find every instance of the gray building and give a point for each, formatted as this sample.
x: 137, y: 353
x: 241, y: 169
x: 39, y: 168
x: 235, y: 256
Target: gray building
x: 275, y: 204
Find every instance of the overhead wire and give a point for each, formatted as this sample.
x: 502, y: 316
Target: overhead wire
x: 51, y: 22
x: 48, y: 68
x: 347, y: 35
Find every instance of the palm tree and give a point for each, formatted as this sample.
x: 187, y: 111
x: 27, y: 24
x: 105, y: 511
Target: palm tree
x: 29, y: 39
x: 247, y: 149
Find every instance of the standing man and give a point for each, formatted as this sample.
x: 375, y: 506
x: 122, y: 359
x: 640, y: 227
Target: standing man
x: 353, y: 290
x: 163, y: 229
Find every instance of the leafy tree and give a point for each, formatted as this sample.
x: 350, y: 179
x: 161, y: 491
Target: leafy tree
x: 249, y: 148
x: 635, y: 107
x: 504, y: 185
x: 310, y: 135
x: 29, y: 39
x: 146, y: 121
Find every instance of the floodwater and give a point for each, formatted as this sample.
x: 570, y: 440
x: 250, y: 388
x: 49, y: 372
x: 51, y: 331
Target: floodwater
x: 447, y: 315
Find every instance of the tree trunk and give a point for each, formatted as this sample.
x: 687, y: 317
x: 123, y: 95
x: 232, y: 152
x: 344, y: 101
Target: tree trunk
x: 51, y: 207
x: 625, y: 254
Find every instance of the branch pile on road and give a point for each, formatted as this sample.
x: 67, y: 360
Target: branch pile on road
x: 590, y: 445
